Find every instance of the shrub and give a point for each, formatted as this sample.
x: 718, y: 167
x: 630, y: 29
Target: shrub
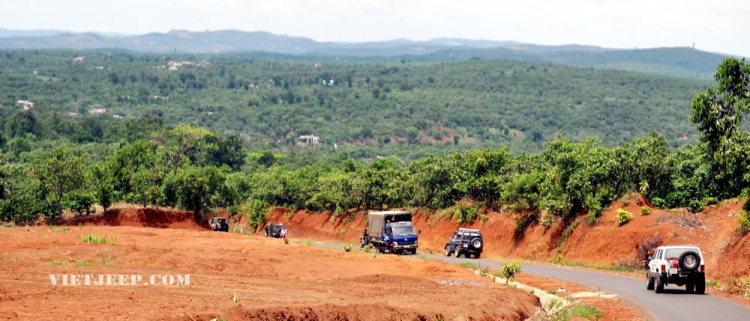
x: 709, y: 201
x: 586, y: 311
x: 645, y: 210
x: 91, y: 238
x: 659, y: 202
x: 286, y: 241
x: 367, y: 248
x: 463, y: 213
x: 743, y: 221
x: 255, y: 210
x: 695, y: 206
x: 509, y: 270
x: 79, y: 201
x: 623, y: 216
x: 347, y: 248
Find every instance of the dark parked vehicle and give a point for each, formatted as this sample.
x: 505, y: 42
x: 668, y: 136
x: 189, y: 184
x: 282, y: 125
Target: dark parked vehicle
x: 220, y: 224
x: 273, y: 230
x: 465, y: 241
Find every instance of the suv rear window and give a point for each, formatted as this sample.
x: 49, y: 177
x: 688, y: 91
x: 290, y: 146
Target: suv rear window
x: 675, y: 253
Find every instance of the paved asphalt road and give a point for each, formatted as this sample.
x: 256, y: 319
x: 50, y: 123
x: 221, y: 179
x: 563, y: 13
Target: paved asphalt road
x: 673, y: 304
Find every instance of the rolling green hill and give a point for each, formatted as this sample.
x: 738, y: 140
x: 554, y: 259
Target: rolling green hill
x: 369, y: 109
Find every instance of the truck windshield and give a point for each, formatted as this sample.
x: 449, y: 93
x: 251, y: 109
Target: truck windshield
x: 403, y: 230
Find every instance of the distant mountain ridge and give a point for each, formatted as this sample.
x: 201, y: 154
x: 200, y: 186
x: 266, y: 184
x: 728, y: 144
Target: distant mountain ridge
x: 678, y: 62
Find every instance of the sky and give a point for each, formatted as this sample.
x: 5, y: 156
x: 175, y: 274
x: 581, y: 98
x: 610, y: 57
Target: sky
x: 713, y: 25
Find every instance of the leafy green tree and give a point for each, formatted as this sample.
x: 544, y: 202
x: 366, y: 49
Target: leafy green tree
x: 61, y: 172
x: 195, y: 188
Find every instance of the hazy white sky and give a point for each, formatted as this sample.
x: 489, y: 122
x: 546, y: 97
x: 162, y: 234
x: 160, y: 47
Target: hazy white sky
x: 714, y: 25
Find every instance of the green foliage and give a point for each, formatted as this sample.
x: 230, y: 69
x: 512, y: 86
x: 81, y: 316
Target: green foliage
x: 695, y: 206
x: 91, y: 238
x: 255, y: 211
x: 367, y: 248
x: 645, y: 210
x: 194, y: 188
x: 60, y: 172
x: 586, y: 311
x: 469, y: 265
x: 509, y: 270
x: 658, y: 202
x: 59, y: 228
x: 623, y: 216
x: 79, y: 201
x: 464, y: 213
x: 743, y: 221
x: 347, y: 248
x: 568, y: 231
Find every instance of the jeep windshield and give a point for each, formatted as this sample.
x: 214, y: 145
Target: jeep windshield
x: 674, y: 254
x: 403, y: 230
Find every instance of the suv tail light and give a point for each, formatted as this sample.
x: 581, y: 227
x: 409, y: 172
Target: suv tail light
x: 703, y: 268
x: 663, y: 268
x: 675, y: 264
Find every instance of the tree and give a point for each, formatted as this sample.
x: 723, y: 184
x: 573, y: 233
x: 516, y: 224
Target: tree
x: 184, y: 143
x: 195, y: 188
x: 60, y: 172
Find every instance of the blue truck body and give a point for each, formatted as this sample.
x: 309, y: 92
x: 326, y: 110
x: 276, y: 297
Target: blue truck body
x: 390, y: 231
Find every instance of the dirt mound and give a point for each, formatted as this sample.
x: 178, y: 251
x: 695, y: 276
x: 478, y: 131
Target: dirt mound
x: 144, y: 217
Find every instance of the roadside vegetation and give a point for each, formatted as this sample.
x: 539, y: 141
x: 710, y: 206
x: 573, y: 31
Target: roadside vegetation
x: 144, y: 161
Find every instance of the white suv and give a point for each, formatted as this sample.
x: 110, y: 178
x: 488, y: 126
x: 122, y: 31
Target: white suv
x: 677, y: 264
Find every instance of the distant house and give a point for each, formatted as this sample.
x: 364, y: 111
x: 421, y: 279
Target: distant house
x: 317, y: 64
x: 310, y: 139
x: 25, y: 104
x: 98, y: 111
x: 79, y: 59
x: 118, y: 116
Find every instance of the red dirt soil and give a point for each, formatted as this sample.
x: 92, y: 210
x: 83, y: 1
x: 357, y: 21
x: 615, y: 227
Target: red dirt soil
x: 232, y: 275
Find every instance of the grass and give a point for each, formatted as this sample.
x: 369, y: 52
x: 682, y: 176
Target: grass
x: 469, y: 265
x: 613, y: 267
x: 59, y: 228
x: 5, y: 255
x: 550, y: 291
x: 91, y: 238
x: 105, y: 261
x: 713, y: 284
x: 304, y: 241
x: 57, y: 262
x: 347, y: 248
x: 586, y: 311
x: 554, y: 304
x: 81, y: 263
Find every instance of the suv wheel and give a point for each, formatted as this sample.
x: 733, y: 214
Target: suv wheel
x: 477, y: 255
x: 700, y: 284
x: 476, y: 243
x: 650, y: 283
x: 447, y: 251
x: 690, y: 285
x: 659, y: 284
x: 457, y: 252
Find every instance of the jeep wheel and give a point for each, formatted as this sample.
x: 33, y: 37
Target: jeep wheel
x: 477, y: 255
x: 700, y: 284
x: 476, y: 243
x: 658, y: 284
x: 650, y: 283
x: 690, y: 286
x: 447, y: 251
x: 457, y: 252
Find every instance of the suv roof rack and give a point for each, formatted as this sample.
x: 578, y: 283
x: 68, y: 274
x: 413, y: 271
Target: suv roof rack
x: 461, y: 229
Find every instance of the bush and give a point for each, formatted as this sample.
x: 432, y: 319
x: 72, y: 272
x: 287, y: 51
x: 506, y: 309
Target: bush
x: 709, y: 201
x: 623, y: 216
x: 586, y: 311
x: 79, y: 201
x: 695, y: 206
x: 645, y: 210
x: 347, y: 248
x: 509, y: 270
x: 463, y: 213
x: 743, y: 221
x: 255, y: 211
x: 659, y: 202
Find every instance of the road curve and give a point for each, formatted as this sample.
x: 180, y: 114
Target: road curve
x: 673, y: 304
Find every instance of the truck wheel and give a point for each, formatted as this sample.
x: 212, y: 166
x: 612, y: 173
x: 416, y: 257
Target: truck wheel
x: 659, y: 284
x: 700, y: 284
x: 457, y: 252
x: 447, y: 251
x: 650, y: 283
x: 690, y: 285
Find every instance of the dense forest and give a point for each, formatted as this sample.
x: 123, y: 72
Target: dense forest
x: 53, y: 161
x: 366, y: 108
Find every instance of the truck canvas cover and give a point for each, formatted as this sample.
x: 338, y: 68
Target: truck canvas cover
x: 378, y: 220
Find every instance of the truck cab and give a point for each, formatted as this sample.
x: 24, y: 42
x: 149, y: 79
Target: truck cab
x: 400, y: 237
